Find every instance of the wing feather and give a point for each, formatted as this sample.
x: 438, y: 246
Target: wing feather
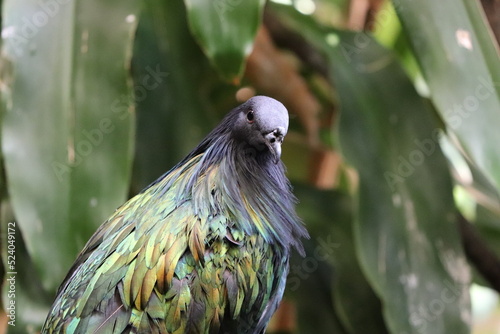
x: 168, y: 263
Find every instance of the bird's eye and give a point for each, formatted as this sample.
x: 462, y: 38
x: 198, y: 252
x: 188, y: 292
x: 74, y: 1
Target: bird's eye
x: 250, y: 116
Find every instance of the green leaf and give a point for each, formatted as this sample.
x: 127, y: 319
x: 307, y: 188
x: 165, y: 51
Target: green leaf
x: 406, y: 232
x: 459, y: 59
x: 174, y: 115
x: 406, y: 235
x: 68, y: 129
x: 225, y: 30
x: 329, y: 283
x: 170, y: 116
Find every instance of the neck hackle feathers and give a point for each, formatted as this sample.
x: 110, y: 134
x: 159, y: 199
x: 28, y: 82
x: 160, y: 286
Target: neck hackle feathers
x: 245, y: 149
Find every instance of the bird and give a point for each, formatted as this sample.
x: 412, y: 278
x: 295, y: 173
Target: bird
x: 203, y: 249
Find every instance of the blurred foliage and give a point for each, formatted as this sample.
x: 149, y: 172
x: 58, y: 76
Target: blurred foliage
x: 101, y: 98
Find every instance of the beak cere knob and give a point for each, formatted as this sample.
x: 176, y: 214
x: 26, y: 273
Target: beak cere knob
x: 273, y: 141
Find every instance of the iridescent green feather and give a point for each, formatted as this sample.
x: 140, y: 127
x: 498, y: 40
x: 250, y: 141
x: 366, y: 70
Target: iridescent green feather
x: 151, y: 252
x: 203, y: 250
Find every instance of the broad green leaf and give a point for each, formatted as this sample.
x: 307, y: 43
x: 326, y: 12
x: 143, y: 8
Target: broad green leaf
x: 479, y: 202
x: 406, y: 235
x: 406, y: 232
x: 225, y: 30
x: 174, y: 115
x: 328, y: 282
x: 67, y: 133
x: 460, y: 61
x: 389, y: 33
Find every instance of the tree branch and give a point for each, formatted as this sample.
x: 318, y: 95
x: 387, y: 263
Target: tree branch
x: 492, y: 11
x: 289, y: 39
x: 479, y: 254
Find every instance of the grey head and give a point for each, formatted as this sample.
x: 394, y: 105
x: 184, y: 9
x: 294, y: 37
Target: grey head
x: 262, y: 122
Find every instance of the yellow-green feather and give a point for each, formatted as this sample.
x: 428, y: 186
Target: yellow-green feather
x: 173, y: 259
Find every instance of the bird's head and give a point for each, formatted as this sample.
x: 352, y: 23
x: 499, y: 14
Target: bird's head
x: 261, y: 123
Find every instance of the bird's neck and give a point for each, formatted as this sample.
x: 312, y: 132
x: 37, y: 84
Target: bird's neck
x: 232, y: 177
x: 224, y: 177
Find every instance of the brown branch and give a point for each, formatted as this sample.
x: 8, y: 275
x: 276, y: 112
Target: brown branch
x: 492, y: 11
x: 479, y: 254
x: 289, y: 39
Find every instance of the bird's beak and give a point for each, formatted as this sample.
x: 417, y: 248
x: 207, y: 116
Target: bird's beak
x: 273, y: 141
